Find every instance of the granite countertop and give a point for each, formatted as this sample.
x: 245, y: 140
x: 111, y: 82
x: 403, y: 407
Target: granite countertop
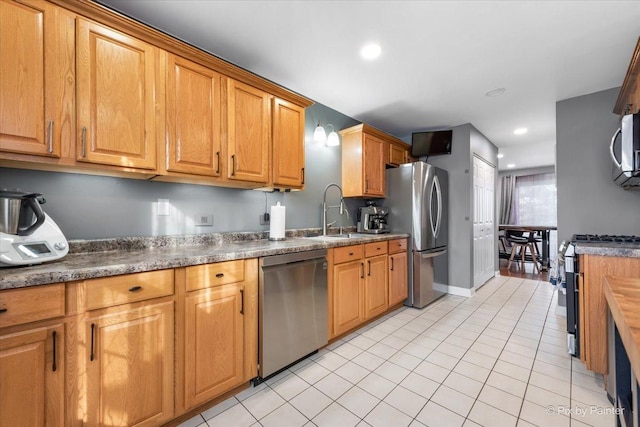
x: 608, y: 249
x: 623, y: 298
x: 111, y: 257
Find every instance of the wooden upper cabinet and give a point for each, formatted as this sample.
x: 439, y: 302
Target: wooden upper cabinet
x: 249, y: 132
x: 629, y: 97
x: 32, y: 377
x: 397, y: 155
x: 115, y: 98
x: 37, y: 69
x: 288, y: 144
x: 365, y: 151
x: 193, y: 118
x: 373, y: 170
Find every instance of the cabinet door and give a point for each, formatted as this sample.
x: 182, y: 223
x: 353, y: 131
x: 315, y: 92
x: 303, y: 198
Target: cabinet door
x: 347, y: 296
x: 249, y: 132
x: 288, y: 144
x: 398, y: 285
x: 116, y: 98
x: 594, y: 334
x: 32, y: 377
x: 37, y: 69
x: 129, y: 367
x: 373, y: 170
x: 376, y: 292
x: 193, y: 118
x: 397, y: 155
x: 214, y: 350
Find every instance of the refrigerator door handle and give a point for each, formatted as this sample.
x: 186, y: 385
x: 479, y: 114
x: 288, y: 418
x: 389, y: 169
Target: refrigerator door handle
x: 432, y: 254
x: 431, y: 222
x: 436, y: 183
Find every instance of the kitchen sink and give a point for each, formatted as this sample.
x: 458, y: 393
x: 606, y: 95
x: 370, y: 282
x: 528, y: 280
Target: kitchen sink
x: 338, y: 236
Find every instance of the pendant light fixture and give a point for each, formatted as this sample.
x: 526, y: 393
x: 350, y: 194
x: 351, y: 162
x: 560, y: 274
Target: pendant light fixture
x: 319, y: 135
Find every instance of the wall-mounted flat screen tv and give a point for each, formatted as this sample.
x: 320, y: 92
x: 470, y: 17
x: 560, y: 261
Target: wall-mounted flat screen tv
x: 431, y: 143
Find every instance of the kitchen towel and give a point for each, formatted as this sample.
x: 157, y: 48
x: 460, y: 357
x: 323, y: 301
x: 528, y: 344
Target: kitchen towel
x: 276, y: 229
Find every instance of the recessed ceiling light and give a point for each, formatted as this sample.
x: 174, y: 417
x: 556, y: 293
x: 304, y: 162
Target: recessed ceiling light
x: 495, y: 92
x: 371, y: 51
x: 500, y: 155
x: 520, y: 131
x: 511, y: 165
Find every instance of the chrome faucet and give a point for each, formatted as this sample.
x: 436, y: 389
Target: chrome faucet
x: 326, y: 208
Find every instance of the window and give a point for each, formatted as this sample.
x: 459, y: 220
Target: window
x: 535, y: 203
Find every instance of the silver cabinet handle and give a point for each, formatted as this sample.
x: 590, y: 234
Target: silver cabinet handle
x: 83, y: 140
x: 50, y: 142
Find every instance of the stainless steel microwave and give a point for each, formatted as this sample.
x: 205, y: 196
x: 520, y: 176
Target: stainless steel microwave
x: 626, y: 154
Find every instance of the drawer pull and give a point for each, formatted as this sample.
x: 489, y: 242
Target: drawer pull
x: 54, y: 365
x: 135, y: 288
x: 350, y: 253
x: 3, y: 310
x: 220, y: 275
x: 241, y: 301
x: 93, y: 327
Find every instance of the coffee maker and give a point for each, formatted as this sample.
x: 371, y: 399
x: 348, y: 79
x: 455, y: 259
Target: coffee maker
x: 372, y: 219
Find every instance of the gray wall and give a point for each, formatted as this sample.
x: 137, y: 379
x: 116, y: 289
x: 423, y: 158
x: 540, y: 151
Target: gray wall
x: 467, y: 141
x: 588, y: 200
x: 86, y: 206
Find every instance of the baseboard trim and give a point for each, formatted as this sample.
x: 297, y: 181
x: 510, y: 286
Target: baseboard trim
x: 461, y: 292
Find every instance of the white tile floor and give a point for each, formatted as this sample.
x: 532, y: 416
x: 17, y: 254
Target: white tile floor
x: 496, y: 359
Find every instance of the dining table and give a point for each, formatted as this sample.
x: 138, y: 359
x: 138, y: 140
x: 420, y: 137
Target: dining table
x: 543, y: 230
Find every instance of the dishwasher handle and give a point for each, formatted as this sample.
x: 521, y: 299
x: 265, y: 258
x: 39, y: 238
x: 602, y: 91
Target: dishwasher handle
x: 273, y: 260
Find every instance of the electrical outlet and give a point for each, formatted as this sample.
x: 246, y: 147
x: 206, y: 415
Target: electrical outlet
x: 203, y: 220
x: 265, y: 219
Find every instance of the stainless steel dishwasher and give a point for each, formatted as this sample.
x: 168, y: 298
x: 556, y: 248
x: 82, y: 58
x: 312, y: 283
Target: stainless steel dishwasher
x: 292, y: 309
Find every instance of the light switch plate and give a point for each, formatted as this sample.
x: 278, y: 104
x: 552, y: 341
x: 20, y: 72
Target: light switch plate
x: 163, y: 207
x: 205, y: 220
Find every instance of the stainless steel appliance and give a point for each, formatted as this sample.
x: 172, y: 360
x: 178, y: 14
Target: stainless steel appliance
x: 27, y: 234
x: 572, y: 271
x: 418, y: 204
x: 372, y: 219
x: 292, y: 309
x: 626, y: 171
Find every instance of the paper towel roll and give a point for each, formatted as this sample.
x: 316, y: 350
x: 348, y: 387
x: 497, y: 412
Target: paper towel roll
x: 276, y: 229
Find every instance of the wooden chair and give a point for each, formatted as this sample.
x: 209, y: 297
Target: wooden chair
x: 519, y: 246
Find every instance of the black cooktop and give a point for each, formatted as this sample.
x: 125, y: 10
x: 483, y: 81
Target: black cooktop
x: 604, y: 238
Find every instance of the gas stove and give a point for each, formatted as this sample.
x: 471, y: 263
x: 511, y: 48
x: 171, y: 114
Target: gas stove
x: 604, y: 238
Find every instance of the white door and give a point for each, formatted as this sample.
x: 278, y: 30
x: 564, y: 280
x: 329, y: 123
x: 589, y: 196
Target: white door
x: 483, y: 221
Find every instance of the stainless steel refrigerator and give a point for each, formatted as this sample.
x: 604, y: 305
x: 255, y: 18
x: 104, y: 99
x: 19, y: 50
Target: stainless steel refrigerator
x: 418, y: 202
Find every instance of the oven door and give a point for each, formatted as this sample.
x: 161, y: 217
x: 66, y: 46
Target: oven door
x: 572, y: 272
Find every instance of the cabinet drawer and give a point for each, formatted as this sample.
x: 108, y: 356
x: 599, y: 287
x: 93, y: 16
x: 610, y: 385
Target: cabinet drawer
x: 397, y: 245
x: 30, y: 304
x: 210, y: 275
x: 375, y: 248
x: 127, y: 288
x: 347, y: 253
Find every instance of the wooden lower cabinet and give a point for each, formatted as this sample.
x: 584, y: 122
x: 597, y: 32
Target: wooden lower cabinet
x: 593, y: 305
x: 214, y: 350
x: 217, y: 330
x: 128, y: 360
x: 398, y: 287
x: 376, y: 289
x: 32, y: 379
x: 348, y: 292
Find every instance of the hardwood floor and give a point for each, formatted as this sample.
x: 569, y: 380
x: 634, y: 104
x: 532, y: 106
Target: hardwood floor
x: 529, y: 271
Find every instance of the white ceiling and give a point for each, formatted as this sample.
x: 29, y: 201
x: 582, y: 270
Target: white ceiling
x: 438, y: 60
